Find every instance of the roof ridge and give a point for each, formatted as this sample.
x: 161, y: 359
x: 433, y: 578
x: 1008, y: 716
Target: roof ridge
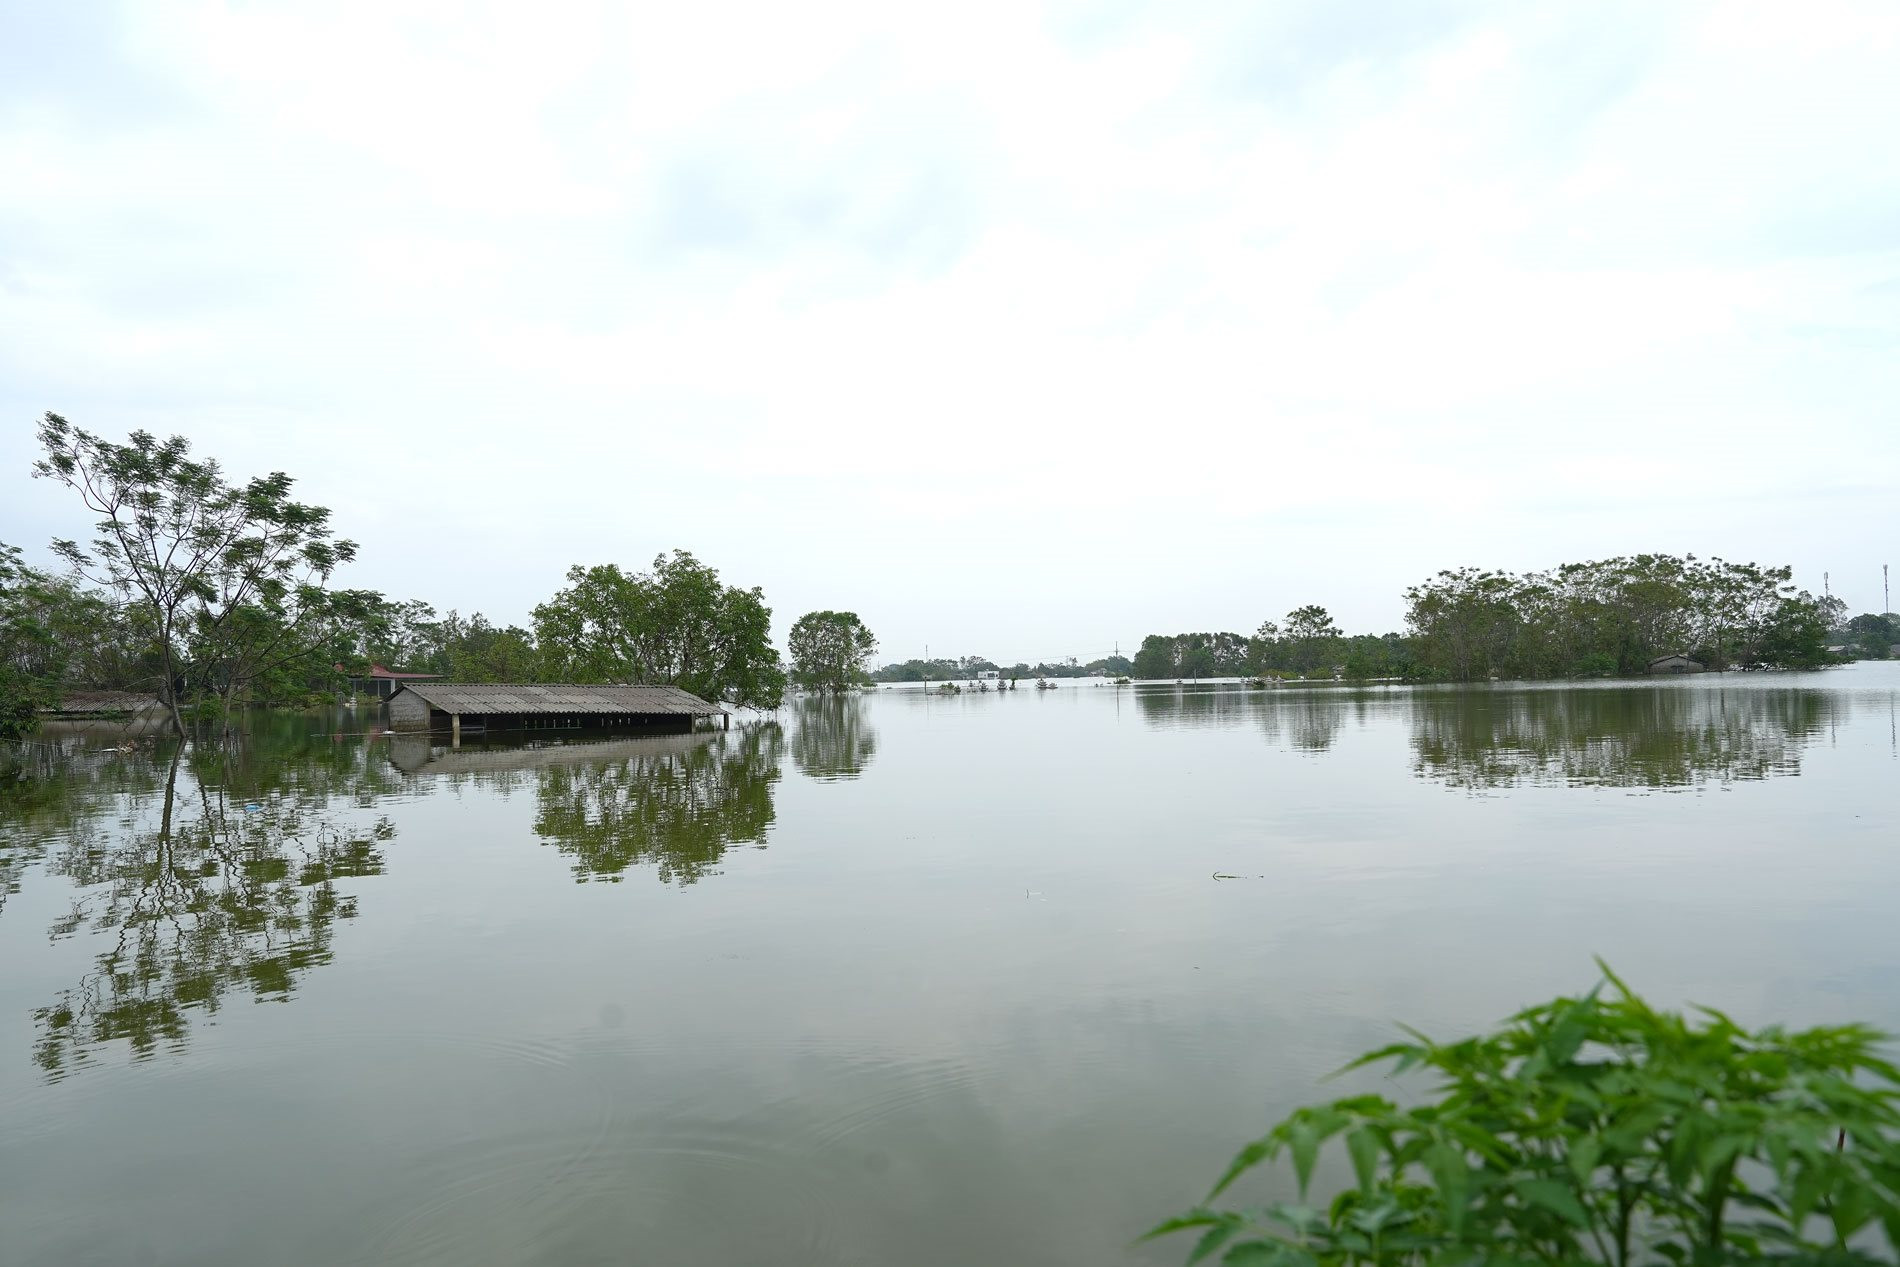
x: 521, y: 698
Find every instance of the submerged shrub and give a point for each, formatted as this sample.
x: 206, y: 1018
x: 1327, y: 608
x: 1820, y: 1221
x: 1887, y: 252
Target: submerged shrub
x: 1593, y: 1130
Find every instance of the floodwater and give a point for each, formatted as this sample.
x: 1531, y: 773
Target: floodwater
x: 894, y: 979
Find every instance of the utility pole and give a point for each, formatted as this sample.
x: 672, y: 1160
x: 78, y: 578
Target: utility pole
x: 1886, y: 598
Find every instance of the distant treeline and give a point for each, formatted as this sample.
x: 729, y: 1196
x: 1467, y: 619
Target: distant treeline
x: 967, y: 668
x: 215, y: 595
x: 1615, y: 616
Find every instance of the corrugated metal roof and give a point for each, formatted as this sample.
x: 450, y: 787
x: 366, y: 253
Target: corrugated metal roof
x: 78, y: 702
x: 517, y: 699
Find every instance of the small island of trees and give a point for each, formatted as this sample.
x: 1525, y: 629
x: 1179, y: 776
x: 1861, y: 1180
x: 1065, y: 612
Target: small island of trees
x: 1614, y: 617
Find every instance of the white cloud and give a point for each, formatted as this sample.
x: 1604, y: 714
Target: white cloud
x: 1017, y: 332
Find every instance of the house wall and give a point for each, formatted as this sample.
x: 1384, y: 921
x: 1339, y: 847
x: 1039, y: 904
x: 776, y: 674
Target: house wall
x: 408, y: 711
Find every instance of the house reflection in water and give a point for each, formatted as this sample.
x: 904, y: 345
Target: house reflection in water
x: 419, y: 752
x: 676, y: 802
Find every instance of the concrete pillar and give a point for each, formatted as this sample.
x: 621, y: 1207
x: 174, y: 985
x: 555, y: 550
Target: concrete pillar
x: 455, y: 730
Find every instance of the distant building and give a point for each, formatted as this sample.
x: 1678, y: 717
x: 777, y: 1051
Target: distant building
x: 382, y: 682
x: 986, y: 675
x: 1676, y: 664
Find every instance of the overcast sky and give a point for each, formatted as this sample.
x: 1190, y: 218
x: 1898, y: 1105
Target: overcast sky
x: 1019, y: 332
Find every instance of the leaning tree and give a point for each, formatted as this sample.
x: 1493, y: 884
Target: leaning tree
x: 222, y: 571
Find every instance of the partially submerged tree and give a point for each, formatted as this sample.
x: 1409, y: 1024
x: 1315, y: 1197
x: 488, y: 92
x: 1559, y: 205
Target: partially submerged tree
x: 30, y: 656
x: 1873, y: 636
x: 830, y: 649
x: 676, y: 626
x: 1308, y: 641
x: 57, y: 636
x: 1192, y: 655
x: 1159, y: 657
x: 225, y: 575
x: 1614, y: 616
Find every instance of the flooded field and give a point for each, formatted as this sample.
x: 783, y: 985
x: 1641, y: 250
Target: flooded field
x: 893, y: 978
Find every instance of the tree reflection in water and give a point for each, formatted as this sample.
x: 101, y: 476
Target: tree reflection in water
x: 52, y: 791
x: 1304, y: 719
x: 834, y: 739
x: 223, y: 878
x: 1613, y: 737
x: 675, y: 809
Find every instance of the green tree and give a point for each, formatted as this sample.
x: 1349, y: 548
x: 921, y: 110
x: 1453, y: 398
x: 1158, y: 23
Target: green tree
x: 676, y: 626
x: 404, y: 635
x: 1464, y: 622
x: 1159, y: 657
x: 72, y: 637
x: 1614, y: 616
x: 1312, y: 639
x: 1370, y: 656
x: 1186, y: 655
x: 829, y: 650
x: 1197, y: 660
x: 1796, y: 636
x: 486, y: 653
x: 31, y: 657
x: 220, y: 571
x: 1873, y: 636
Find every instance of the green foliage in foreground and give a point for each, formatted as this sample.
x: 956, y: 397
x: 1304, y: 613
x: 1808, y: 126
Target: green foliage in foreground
x: 1594, y: 1130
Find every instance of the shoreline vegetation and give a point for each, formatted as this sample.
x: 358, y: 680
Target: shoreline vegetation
x: 214, y: 596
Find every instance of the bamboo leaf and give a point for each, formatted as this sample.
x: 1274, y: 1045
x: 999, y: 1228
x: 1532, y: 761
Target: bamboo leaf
x: 1249, y: 1157
x: 1364, y: 1147
x: 1303, y: 1143
x: 1212, y: 1240
x: 1197, y: 1217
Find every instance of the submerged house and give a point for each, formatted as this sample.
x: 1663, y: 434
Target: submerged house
x: 1675, y: 664
x: 105, y: 705
x: 544, y: 706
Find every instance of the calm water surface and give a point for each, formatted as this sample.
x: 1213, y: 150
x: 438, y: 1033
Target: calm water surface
x: 901, y: 979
